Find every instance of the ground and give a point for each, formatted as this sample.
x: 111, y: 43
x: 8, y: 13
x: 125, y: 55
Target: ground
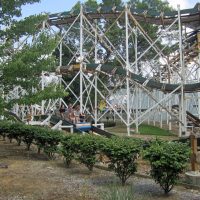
x: 31, y: 176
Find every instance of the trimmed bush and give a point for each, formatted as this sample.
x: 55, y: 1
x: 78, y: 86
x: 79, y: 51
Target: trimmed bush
x: 53, y: 138
x: 44, y: 138
x: 82, y: 147
x: 4, y: 128
x: 40, y: 138
x: 67, y: 149
x: 87, y: 148
x: 123, y: 153
x: 15, y: 132
x: 167, y: 160
x: 28, y: 135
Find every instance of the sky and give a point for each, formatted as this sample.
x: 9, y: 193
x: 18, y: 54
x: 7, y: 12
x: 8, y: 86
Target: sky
x: 54, y: 6
x: 49, y: 6
x: 183, y: 3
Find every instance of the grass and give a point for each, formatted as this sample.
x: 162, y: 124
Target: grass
x: 144, y: 129
x: 114, y: 192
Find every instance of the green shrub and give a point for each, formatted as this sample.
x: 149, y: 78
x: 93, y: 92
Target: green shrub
x: 15, y: 132
x: 67, y: 148
x: 122, y: 153
x: 11, y: 130
x: 40, y: 136
x: 4, y: 128
x: 167, y: 160
x: 87, y: 148
x: 28, y: 135
x: 44, y: 138
x: 53, y: 138
x: 82, y: 147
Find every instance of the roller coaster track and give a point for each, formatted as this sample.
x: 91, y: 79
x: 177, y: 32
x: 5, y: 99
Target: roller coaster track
x: 191, y: 17
x: 195, y: 120
x: 150, y: 83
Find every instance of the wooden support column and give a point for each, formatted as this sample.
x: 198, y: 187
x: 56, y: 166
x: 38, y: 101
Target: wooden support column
x: 194, y: 165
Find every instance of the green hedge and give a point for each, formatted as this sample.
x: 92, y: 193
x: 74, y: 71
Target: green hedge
x: 45, y: 139
x: 121, y: 152
x: 167, y: 159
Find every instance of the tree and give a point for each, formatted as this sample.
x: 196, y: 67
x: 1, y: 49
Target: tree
x: 11, y: 9
x: 167, y: 160
x: 25, y: 51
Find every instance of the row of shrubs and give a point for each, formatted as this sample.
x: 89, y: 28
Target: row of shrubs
x: 45, y: 139
x: 167, y: 159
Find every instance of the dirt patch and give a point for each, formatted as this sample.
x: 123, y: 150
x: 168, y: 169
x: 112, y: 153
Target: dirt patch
x: 31, y: 176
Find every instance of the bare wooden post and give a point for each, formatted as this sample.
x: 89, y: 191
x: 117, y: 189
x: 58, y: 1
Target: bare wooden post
x: 194, y: 166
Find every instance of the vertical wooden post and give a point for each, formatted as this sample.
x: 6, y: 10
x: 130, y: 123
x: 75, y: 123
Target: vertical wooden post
x: 194, y: 166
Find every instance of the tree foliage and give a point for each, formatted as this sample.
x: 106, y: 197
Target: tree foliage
x: 11, y: 9
x: 26, y: 50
